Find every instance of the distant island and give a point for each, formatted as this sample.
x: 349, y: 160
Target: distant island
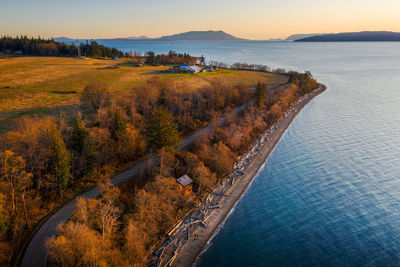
x: 365, y: 36
x: 185, y: 36
x: 295, y: 37
x: 201, y: 36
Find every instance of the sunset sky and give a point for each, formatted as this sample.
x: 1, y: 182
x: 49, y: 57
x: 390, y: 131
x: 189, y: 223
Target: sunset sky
x: 253, y: 19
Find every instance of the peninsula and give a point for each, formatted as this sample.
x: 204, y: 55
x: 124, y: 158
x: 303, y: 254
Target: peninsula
x: 103, y: 116
x: 108, y: 155
x: 366, y: 36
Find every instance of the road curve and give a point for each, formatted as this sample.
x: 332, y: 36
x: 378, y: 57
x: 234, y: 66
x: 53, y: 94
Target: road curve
x: 36, y: 252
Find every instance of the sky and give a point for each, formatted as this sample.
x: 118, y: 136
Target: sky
x: 252, y: 19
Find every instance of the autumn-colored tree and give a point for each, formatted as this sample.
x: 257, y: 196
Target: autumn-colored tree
x: 166, y: 161
x: 14, y: 179
x: 203, y: 177
x: 3, y: 216
x: 128, y: 142
x: 95, y: 96
x: 219, y: 158
x: 5, y: 250
x: 154, y: 214
x: 14, y: 195
x: 224, y: 159
x: 108, y: 211
x: 76, y: 245
x: 161, y: 129
x: 165, y: 188
x: 30, y: 140
x: 136, y: 241
x: 276, y: 111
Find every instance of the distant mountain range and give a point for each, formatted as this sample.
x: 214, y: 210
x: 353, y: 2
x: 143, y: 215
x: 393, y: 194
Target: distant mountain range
x: 186, y: 36
x: 366, y: 36
x: 138, y: 38
x: 64, y: 40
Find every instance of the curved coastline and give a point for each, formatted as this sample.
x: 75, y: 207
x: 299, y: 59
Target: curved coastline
x: 200, y: 239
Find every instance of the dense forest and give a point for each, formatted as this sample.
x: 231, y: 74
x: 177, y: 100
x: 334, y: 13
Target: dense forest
x: 47, y: 160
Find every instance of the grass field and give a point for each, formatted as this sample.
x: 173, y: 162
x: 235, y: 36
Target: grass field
x: 34, y: 85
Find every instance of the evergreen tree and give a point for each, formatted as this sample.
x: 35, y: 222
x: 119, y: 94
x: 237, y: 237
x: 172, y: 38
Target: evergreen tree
x: 161, y: 129
x: 79, y: 136
x: 83, y: 148
x: 261, y: 95
x: 119, y: 127
x: 60, y: 160
x: 150, y: 58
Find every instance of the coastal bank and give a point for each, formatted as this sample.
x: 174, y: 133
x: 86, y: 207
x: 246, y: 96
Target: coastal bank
x: 192, y: 235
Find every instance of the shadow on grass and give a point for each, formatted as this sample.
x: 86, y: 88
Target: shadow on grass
x: 158, y: 72
x: 63, y: 92
x: 108, y: 68
x: 129, y: 64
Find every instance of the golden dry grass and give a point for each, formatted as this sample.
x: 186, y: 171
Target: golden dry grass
x: 29, y: 85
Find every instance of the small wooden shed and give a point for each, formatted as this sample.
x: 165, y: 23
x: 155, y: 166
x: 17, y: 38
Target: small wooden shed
x: 185, y: 184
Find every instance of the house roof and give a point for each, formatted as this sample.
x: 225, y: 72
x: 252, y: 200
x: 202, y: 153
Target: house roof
x: 195, y: 68
x: 185, y: 180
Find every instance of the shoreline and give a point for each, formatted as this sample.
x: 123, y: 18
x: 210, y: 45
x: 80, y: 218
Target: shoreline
x: 193, y: 235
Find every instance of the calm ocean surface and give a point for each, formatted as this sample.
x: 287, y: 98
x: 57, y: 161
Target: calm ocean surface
x: 330, y: 192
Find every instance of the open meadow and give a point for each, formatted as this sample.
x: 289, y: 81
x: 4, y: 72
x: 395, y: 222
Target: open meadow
x: 45, y: 85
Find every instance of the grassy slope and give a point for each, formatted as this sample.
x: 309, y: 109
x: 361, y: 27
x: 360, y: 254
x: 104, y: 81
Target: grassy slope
x: 33, y: 85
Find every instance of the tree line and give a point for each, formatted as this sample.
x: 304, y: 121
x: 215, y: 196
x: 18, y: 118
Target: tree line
x: 245, y: 66
x: 169, y: 59
x: 49, y: 47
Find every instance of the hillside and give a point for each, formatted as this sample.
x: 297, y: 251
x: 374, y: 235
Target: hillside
x: 66, y: 40
x: 200, y: 36
x: 366, y: 36
x: 295, y: 37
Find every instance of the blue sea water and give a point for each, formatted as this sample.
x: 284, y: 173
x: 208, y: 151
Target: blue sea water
x: 329, y: 194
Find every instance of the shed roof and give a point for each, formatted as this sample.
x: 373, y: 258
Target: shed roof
x: 185, y: 180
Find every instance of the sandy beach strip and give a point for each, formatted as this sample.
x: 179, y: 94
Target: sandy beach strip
x: 193, y: 234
